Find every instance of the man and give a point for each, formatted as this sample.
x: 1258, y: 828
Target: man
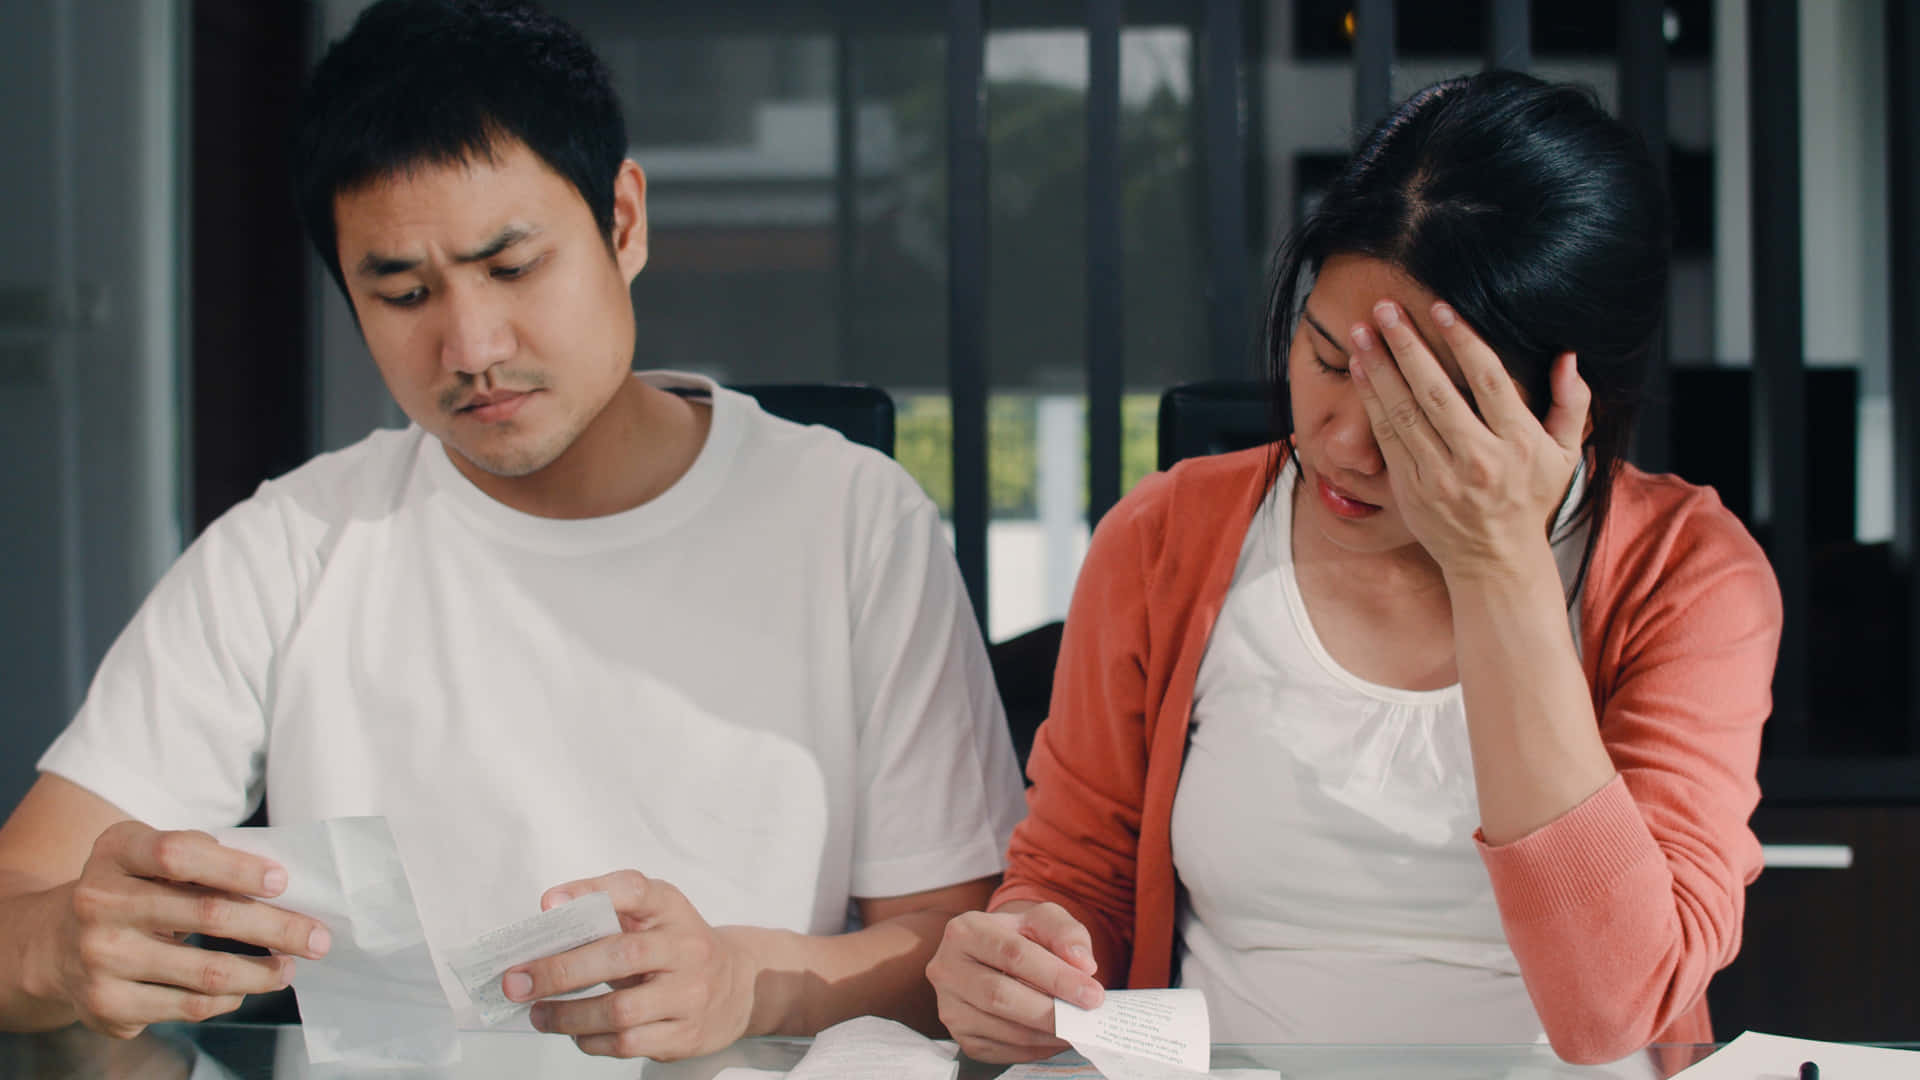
x: 574, y: 630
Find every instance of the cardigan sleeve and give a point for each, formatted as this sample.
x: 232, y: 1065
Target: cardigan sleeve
x: 1621, y: 910
x: 1079, y: 844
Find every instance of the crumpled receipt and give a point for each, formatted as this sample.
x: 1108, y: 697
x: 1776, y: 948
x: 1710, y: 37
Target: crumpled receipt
x: 864, y: 1048
x: 481, y: 963
x: 375, y: 999
x: 1077, y: 1070
x: 1140, y: 1034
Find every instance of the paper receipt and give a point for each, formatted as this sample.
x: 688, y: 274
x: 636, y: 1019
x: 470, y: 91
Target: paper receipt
x: 481, y: 963
x: 1140, y: 1034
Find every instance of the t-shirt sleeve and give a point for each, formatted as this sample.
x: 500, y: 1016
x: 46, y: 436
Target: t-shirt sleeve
x: 173, y: 728
x: 939, y: 790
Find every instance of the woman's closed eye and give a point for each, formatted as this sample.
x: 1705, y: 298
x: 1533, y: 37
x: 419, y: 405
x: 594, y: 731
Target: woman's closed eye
x: 1339, y: 371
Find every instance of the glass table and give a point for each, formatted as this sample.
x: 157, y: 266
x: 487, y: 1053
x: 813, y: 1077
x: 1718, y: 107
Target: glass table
x: 216, y: 1051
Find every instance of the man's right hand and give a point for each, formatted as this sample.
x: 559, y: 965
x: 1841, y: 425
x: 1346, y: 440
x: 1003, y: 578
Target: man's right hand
x: 117, y: 954
x: 997, y: 973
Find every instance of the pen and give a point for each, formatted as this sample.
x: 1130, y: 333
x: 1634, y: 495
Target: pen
x: 1809, y: 1071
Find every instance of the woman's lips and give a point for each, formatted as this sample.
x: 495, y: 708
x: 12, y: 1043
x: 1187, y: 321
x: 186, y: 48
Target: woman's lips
x: 1341, y: 503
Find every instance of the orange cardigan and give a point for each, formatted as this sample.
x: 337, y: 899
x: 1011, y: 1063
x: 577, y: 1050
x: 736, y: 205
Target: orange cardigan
x: 1618, y: 912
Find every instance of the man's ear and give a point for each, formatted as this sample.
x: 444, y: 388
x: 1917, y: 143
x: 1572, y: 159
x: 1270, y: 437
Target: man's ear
x: 629, y: 238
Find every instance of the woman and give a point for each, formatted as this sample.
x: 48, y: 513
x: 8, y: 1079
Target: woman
x: 1435, y: 721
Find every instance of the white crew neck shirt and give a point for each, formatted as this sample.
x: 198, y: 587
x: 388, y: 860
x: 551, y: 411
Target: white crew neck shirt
x: 764, y: 686
x: 1323, y: 834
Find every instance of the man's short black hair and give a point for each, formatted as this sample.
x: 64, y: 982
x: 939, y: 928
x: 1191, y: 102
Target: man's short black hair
x: 441, y: 82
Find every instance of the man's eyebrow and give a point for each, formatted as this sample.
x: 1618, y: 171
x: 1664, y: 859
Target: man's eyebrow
x: 376, y: 265
x: 501, y: 241
x: 1315, y: 323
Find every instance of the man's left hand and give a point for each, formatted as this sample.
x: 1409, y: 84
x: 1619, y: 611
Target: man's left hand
x: 680, y: 988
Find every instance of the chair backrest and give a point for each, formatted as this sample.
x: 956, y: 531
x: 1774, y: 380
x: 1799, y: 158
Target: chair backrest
x: 1023, y: 671
x: 1197, y: 419
x: 864, y: 414
x: 1719, y: 451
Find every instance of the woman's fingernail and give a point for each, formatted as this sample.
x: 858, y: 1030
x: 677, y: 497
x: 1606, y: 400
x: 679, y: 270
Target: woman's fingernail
x: 1087, y: 998
x: 1362, y: 338
x: 1443, y: 314
x: 1387, y: 314
x: 537, y: 1016
x: 1080, y: 952
x: 554, y: 900
x: 274, y: 882
x: 319, y: 941
x: 286, y: 971
x: 518, y: 985
x: 1358, y: 368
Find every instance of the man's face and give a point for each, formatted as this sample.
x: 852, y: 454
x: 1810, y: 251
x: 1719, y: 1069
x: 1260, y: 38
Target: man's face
x: 492, y: 304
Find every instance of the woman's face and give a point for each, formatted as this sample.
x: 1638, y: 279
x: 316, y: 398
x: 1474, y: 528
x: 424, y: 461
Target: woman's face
x: 1344, y: 492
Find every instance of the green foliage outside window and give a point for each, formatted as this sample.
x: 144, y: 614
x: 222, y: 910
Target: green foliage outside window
x: 923, y: 444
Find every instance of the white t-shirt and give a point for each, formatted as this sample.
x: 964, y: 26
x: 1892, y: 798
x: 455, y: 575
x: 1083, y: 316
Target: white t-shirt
x: 1323, y: 834
x: 764, y: 686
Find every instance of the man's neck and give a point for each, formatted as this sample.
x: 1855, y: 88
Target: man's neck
x: 640, y: 445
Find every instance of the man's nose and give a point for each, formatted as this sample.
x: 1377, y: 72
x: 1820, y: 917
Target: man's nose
x: 476, y: 335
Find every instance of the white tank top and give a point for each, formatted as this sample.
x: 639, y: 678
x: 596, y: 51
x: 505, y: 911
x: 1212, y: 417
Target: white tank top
x: 1323, y: 834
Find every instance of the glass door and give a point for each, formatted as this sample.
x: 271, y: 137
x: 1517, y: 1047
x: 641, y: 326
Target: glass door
x: 90, y: 341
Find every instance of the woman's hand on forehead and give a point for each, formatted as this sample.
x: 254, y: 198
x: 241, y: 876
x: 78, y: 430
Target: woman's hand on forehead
x: 1475, y: 474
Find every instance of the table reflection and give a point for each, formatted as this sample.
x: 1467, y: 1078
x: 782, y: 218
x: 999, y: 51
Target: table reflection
x: 277, y: 1052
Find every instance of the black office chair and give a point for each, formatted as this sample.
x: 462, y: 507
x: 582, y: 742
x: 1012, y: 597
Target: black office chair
x: 1197, y: 419
x: 1023, y: 672
x: 1720, y: 453
x: 864, y: 414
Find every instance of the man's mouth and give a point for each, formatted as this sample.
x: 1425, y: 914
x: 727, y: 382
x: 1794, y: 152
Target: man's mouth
x: 495, y: 406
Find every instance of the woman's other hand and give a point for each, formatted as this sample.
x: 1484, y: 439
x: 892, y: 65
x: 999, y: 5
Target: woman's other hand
x: 997, y: 973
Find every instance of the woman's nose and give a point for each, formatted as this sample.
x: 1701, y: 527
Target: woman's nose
x: 1348, y: 438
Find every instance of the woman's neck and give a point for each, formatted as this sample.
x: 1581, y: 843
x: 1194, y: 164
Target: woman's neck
x: 1379, y: 577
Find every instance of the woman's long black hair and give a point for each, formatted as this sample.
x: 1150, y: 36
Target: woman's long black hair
x: 1537, y: 216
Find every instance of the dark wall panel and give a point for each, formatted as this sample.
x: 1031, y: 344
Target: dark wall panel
x: 248, y: 371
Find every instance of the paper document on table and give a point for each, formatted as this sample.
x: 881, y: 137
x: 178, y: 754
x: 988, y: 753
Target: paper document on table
x: 1754, y: 1056
x: 1054, y: 1070
x: 1140, y: 1034
x: 481, y: 963
x: 870, y: 1048
x: 375, y: 999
